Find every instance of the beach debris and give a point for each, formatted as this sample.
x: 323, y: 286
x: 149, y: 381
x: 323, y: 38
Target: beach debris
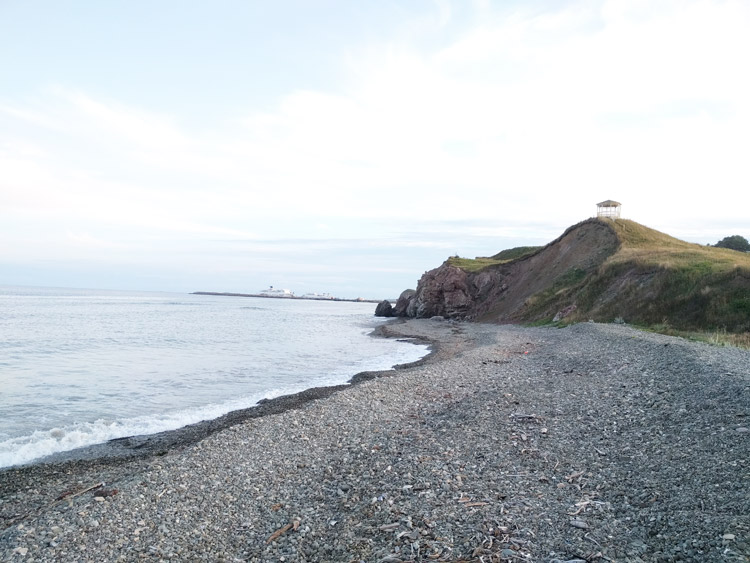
x: 580, y: 524
x: 575, y: 475
x: 22, y: 551
x: 102, y: 493
x: 581, y: 507
x: 72, y: 494
x: 278, y: 533
x: 525, y: 417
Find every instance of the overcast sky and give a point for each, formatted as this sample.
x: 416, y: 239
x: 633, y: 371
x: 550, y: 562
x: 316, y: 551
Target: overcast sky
x: 347, y: 147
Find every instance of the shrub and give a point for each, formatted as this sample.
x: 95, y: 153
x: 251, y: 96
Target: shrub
x: 735, y: 242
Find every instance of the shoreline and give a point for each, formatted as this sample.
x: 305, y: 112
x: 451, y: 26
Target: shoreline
x: 121, y: 457
x: 591, y: 443
x: 160, y: 443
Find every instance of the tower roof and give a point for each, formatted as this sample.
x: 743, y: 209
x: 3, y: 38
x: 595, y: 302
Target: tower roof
x: 609, y: 203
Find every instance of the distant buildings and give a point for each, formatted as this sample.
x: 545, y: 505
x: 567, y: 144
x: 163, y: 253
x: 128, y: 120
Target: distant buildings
x: 317, y: 296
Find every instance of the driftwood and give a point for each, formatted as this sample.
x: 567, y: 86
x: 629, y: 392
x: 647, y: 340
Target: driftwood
x: 293, y: 525
x: 70, y: 495
x: 278, y: 533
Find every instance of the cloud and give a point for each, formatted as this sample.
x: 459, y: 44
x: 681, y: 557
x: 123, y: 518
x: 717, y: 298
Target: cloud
x: 476, y: 132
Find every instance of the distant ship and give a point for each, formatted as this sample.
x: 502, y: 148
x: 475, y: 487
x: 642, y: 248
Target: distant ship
x: 273, y: 292
x: 317, y: 296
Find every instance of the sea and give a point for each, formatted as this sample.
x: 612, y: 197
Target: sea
x: 80, y: 367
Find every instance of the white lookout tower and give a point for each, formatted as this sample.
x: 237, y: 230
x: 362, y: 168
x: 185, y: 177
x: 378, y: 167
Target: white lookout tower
x: 609, y: 209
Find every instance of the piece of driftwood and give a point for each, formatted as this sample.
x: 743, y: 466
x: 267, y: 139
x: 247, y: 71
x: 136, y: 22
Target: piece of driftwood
x: 575, y: 475
x: 70, y: 495
x: 278, y: 533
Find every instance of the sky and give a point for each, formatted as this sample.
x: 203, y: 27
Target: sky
x: 348, y: 147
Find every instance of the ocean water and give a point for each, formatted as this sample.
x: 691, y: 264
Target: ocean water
x: 80, y: 367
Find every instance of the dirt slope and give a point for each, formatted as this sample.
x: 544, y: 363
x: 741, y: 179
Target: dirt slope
x: 600, y: 270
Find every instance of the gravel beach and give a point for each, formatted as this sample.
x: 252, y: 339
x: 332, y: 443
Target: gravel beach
x: 589, y: 443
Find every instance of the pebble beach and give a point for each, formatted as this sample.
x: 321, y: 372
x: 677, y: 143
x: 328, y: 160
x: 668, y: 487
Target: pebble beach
x: 583, y: 444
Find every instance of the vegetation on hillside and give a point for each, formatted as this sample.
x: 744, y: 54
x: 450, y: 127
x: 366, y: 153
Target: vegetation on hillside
x: 503, y: 257
x: 654, y: 279
x: 472, y: 264
x: 640, y: 276
x: 735, y: 242
x: 516, y: 253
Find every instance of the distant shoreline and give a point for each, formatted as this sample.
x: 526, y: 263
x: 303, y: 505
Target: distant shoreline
x: 227, y: 294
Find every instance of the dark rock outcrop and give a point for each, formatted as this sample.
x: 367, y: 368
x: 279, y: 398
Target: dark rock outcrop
x: 384, y: 309
x: 403, y: 302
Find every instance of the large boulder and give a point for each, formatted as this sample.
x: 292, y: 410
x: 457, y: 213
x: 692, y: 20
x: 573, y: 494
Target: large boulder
x: 400, y: 310
x: 444, y: 291
x: 384, y: 309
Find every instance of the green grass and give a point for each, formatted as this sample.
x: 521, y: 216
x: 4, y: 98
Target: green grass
x: 648, y: 247
x: 472, y: 264
x: 481, y: 262
x: 557, y: 295
x: 718, y: 337
x: 656, y: 276
x: 515, y: 253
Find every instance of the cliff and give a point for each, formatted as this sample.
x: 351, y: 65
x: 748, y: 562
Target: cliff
x: 599, y: 269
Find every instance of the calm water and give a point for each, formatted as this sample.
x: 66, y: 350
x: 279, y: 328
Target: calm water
x: 79, y: 367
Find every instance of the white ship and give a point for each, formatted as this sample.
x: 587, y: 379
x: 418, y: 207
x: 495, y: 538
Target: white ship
x: 317, y: 296
x: 274, y: 292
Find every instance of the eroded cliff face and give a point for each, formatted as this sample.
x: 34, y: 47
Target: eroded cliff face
x: 503, y: 293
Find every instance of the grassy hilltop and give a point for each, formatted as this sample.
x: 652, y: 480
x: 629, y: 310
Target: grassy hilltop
x: 618, y: 269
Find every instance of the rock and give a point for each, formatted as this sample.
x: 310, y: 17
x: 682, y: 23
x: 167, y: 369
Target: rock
x: 564, y: 313
x: 384, y: 309
x: 403, y: 302
x: 580, y: 524
x: 444, y: 291
x: 438, y: 318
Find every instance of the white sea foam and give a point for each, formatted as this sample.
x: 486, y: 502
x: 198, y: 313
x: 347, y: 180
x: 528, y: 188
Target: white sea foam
x: 79, y: 368
x: 43, y: 443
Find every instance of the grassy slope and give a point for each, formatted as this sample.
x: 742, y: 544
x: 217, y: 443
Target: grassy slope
x: 656, y: 279
x: 515, y: 253
x: 653, y: 279
x: 503, y: 257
